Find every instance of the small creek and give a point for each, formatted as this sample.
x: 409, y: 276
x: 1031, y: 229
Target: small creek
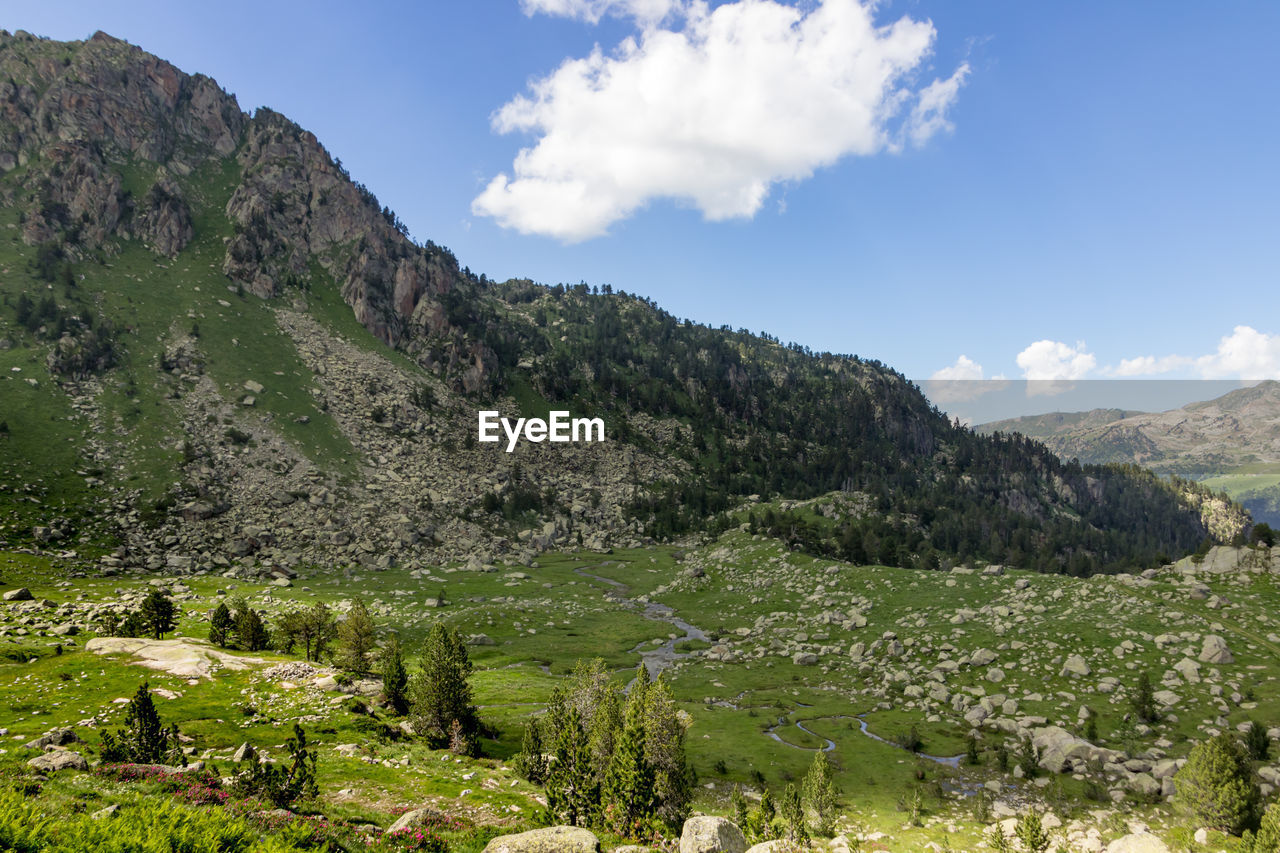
x: 661, y: 657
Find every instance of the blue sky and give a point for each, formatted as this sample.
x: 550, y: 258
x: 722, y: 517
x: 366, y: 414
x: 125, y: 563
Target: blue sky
x: 1064, y: 190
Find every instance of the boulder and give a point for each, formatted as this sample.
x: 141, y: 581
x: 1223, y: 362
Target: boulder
x: 58, y: 759
x: 804, y: 659
x: 21, y: 594
x: 57, y: 737
x: 711, y: 835
x: 1138, y: 842
x: 1075, y: 665
x: 553, y: 839
x: 1189, y: 670
x: 1215, y: 650
x: 414, y: 819
x: 983, y: 657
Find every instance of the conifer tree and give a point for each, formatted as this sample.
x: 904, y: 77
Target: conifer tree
x: 395, y: 678
x: 356, y: 638
x: 250, y: 631
x: 627, y: 795
x: 572, y: 792
x: 158, y: 614
x: 1217, y: 785
x: 673, y: 781
x: 1143, y: 700
x: 440, y: 692
x: 531, y: 761
x: 144, y: 739
x: 1257, y: 742
x: 793, y: 816
x: 220, y: 625
x: 820, y: 795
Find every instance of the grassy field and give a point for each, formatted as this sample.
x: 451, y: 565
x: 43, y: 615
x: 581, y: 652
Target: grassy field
x: 757, y: 717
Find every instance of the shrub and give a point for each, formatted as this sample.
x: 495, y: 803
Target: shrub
x: 1267, y: 839
x: 1217, y: 785
x: 1257, y: 741
x: 279, y: 785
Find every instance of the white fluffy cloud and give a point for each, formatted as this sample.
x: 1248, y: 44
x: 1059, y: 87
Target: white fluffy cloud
x: 964, y: 368
x: 712, y: 109
x: 1246, y: 353
x: 1054, y: 360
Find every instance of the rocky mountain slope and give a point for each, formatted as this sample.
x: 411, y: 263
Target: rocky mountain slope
x: 221, y: 353
x: 1231, y: 442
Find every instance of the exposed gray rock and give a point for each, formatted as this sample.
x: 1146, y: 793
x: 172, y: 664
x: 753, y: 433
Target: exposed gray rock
x: 58, y: 759
x: 711, y: 835
x: 553, y: 839
x: 1215, y: 650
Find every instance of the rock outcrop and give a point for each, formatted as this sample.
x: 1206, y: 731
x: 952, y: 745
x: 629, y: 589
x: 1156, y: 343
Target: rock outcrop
x: 553, y: 839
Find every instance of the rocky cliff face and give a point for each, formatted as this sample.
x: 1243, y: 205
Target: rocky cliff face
x: 75, y: 115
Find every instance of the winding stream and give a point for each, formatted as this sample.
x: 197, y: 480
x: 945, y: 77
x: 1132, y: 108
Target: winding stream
x: 659, y: 658
x: 656, y: 658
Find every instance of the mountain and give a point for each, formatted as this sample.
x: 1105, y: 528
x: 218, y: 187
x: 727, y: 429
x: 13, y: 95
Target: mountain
x: 220, y: 352
x: 1231, y: 442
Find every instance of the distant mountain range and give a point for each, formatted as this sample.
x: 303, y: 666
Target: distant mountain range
x: 220, y: 352
x: 1231, y: 442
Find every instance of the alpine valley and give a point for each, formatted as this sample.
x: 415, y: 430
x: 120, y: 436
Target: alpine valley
x: 239, y: 462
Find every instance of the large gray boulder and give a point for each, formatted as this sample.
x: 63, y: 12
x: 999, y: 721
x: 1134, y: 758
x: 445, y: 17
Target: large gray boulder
x: 52, y: 762
x: 22, y: 594
x: 1138, y: 842
x: 712, y: 835
x: 553, y: 839
x: 1075, y: 665
x: 414, y: 819
x: 1215, y: 650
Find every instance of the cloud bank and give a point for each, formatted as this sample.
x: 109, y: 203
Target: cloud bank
x: 710, y: 107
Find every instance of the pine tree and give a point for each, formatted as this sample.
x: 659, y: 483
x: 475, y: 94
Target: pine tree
x: 820, y: 795
x: 741, y: 816
x: 144, y: 739
x: 1257, y: 741
x: 971, y: 755
x: 627, y: 795
x: 250, y: 631
x: 765, y: 815
x: 673, y: 782
x: 356, y: 638
x: 1143, y: 700
x: 440, y: 693
x: 793, y: 816
x: 531, y: 761
x: 1217, y: 785
x: 395, y: 678
x: 1030, y: 832
x: 573, y: 795
x: 220, y: 625
x: 158, y: 614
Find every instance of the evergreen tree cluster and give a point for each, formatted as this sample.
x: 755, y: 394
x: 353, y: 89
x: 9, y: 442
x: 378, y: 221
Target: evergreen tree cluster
x: 610, y: 758
x: 154, y: 617
x: 236, y: 625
